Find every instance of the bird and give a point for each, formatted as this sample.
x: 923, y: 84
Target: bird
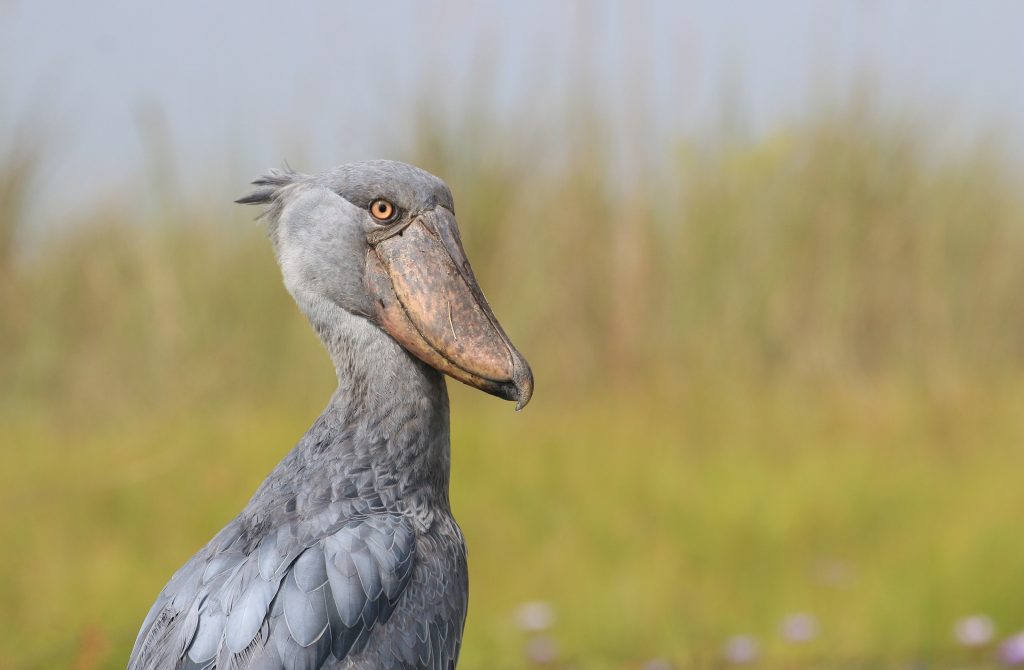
x: 347, y: 555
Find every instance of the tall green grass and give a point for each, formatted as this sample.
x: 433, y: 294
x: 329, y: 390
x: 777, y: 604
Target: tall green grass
x: 773, y: 376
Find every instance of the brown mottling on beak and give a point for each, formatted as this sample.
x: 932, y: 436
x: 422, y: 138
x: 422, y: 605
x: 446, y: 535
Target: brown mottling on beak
x: 427, y: 298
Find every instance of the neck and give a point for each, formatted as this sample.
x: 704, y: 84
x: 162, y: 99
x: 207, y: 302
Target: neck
x: 390, y: 410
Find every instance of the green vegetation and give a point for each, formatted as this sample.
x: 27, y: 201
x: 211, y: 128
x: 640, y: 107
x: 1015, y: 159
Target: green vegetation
x: 775, y: 377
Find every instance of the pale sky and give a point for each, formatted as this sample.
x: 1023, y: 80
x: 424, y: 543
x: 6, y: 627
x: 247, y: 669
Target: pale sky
x: 241, y: 83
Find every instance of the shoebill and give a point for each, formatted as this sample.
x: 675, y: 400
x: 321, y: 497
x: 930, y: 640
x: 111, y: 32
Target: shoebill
x: 348, y: 556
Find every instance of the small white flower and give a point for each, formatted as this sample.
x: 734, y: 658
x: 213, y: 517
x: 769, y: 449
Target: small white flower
x: 800, y: 627
x: 974, y: 631
x: 535, y: 616
x: 741, y: 649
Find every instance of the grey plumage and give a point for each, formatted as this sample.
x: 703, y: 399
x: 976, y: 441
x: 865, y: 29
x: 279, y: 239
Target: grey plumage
x: 347, y: 556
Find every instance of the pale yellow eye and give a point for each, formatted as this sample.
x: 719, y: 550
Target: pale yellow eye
x: 382, y: 210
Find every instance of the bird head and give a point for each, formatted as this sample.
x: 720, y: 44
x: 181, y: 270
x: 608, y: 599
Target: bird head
x: 379, y: 239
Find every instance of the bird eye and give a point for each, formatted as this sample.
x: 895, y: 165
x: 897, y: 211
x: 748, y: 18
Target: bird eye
x: 382, y: 210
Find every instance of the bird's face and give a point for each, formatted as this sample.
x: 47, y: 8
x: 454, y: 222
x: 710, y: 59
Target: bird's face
x: 380, y: 240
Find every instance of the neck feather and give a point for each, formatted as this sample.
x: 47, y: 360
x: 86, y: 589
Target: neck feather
x: 391, y: 408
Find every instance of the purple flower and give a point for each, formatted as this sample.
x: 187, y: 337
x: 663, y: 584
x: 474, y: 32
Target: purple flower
x: 741, y: 649
x: 541, y: 650
x: 799, y: 628
x: 974, y: 631
x: 1012, y: 650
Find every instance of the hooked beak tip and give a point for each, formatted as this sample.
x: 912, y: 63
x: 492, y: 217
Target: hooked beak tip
x: 522, y: 377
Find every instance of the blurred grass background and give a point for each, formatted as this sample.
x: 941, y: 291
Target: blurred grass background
x: 776, y: 375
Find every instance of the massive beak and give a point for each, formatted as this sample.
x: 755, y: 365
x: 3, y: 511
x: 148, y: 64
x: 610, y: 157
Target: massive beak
x: 427, y: 298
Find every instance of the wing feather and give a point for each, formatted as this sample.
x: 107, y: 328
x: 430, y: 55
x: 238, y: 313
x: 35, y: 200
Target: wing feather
x: 248, y: 605
x: 282, y: 601
x: 211, y: 628
x: 305, y: 614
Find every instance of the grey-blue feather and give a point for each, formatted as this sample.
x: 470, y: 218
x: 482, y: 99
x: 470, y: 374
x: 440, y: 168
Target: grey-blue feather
x: 347, y: 555
x: 227, y: 606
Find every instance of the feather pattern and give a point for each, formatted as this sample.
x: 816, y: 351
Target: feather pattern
x: 326, y: 603
x: 347, y: 556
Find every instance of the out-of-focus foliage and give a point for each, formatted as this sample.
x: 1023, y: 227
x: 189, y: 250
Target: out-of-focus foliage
x: 773, y: 377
